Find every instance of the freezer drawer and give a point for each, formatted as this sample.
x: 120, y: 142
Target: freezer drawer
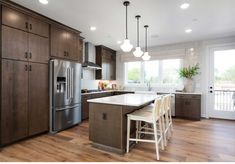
x: 66, y: 117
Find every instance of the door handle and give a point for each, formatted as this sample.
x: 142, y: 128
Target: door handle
x: 26, y: 55
x: 26, y: 68
x: 30, y: 55
x: 26, y: 25
x: 211, y: 91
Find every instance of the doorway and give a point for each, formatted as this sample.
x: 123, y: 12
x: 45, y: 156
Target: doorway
x: 222, y: 83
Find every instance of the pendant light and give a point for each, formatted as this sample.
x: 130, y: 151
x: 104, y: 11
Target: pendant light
x: 126, y: 46
x: 138, y: 52
x: 146, y: 56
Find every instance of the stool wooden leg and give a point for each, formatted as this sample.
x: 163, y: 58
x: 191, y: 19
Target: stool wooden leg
x: 156, y: 139
x: 128, y: 135
x: 137, y: 129
x: 164, y: 129
x: 161, y: 132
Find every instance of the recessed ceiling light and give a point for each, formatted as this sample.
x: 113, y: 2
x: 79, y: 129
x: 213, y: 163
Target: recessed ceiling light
x: 43, y: 2
x: 184, y: 6
x: 92, y: 28
x: 188, y: 30
x: 119, y: 42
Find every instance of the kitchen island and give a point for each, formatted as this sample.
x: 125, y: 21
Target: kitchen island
x: 108, y: 121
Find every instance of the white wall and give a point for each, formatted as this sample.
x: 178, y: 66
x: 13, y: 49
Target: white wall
x: 201, y: 56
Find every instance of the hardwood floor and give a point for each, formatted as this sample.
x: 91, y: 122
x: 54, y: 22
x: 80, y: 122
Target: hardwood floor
x: 206, y: 140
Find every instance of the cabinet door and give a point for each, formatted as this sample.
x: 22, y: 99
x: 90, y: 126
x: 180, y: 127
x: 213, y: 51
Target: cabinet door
x: 58, y: 42
x: 38, y: 27
x: 14, y: 107
x: 80, y: 50
x: 179, y: 107
x: 14, y: 43
x: 72, y: 50
x: 85, y: 108
x: 14, y: 19
x: 38, y: 98
x: 105, y: 68
x: 194, y: 109
x: 38, y: 49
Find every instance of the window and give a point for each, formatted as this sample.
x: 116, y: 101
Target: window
x: 155, y: 72
x: 133, y: 72
x: 151, y: 72
x: 169, y: 71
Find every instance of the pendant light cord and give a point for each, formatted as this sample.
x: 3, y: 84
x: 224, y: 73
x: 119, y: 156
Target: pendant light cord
x: 126, y: 24
x: 138, y: 40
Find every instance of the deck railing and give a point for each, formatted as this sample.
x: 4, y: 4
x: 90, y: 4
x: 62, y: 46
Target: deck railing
x: 224, y: 100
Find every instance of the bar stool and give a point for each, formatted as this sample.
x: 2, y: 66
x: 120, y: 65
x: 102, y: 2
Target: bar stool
x: 167, y: 119
x: 153, y: 117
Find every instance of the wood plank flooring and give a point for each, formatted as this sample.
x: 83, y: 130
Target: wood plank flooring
x: 206, y: 140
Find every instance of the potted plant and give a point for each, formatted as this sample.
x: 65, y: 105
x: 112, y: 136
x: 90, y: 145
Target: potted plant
x: 188, y: 73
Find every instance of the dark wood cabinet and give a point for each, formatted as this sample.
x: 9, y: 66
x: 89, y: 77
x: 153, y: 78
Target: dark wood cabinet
x: 80, y: 50
x: 38, y: 27
x: 106, y: 58
x: 25, y: 104
x: 18, y: 20
x: 65, y: 44
x: 14, y: 108
x: 14, y: 44
x: 14, y: 19
x: 188, y: 106
x: 38, y: 49
x: 20, y: 45
x: 38, y: 98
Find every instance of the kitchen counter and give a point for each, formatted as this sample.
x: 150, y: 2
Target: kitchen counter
x: 183, y: 93
x: 126, y: 99
x: 107, y: 91
x: 108, y: 121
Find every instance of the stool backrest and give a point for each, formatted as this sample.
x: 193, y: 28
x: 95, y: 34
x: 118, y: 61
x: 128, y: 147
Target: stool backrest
x: 168, y: 103
x: 157, y: 108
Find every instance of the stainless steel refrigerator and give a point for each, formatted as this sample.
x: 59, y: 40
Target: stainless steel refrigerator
x: 65, y: 94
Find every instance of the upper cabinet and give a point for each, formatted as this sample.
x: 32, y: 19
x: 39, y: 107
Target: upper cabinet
x: 18, y: 20
x: 106, y: 58
x: 65, y: 44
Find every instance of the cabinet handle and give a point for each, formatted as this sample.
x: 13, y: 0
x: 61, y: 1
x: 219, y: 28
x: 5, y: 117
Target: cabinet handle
x: 26, y: 25
x: 30, y: 68
x: 30, y: 55
x: 26, y: 55
x: 65, y: 53
x: 30, y: 26
x: 26, y: 68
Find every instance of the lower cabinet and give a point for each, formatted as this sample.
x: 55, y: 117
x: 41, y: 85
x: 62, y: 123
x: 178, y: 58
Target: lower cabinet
x: 14, y: 107
x: 188, y: 106
x: 38, y: 99
x: 24, y: 108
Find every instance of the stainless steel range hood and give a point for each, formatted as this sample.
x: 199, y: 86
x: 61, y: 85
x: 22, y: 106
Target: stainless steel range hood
x: 90, y: 55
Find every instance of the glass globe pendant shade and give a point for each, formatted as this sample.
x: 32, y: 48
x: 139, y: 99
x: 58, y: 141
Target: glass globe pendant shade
x: 138, y: 52
x: 146, y: 56
x: 126, y: 46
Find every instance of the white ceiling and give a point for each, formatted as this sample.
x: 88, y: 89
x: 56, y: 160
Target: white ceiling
x: 214, y: 18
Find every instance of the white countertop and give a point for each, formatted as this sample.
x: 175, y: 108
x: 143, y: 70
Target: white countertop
x: 126, y: 99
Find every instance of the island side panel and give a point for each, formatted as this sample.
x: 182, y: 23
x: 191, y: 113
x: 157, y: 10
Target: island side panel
x: 105, y: 124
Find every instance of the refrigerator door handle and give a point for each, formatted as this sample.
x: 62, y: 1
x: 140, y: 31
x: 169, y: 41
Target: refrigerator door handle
x: 68, y: 83
x: 72, y: 83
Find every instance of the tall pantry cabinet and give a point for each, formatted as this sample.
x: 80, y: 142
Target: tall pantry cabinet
x: 24, y: 76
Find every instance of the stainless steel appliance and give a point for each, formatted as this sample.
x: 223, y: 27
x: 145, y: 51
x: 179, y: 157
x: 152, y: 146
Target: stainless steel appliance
x: 65, y: 94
